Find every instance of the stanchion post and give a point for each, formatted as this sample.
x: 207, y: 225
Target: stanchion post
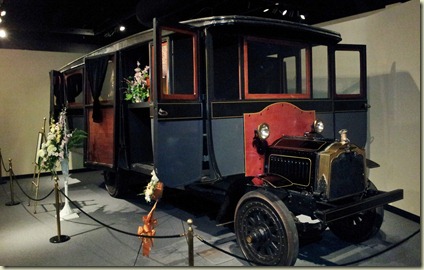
x: 59, y: 238
x: 190, y: 242
x: 12, y: 200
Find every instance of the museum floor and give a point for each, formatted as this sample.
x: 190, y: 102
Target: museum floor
x: 25, y: 236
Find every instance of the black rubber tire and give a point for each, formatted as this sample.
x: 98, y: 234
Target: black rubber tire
x: 114, y: 183
x: 265, y: 229
x: 359, y: 227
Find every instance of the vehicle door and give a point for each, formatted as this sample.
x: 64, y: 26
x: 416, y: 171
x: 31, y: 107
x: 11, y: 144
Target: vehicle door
x: 177, y: 110
x: 100, y: 110
x: 349, y: 90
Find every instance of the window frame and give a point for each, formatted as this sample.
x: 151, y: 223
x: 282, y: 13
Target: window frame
x: 308, y: 71
x: 165, y: 39
x: 361, y: 49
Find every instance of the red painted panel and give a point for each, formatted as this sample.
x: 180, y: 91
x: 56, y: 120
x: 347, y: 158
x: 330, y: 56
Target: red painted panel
x: 283, y: 118
x: 100, y: 138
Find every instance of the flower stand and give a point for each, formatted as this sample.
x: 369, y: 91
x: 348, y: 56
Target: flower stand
x: 67, y: 212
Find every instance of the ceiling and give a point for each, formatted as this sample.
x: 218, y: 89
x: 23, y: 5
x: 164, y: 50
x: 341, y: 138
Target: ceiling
x: 82, y: 25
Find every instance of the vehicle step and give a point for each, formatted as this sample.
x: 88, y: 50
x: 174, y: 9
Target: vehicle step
x: 211, y: 192
x: 144, y: 168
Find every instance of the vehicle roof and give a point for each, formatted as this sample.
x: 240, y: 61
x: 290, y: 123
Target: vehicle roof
x: 287, y: 28
x: 246, y: 24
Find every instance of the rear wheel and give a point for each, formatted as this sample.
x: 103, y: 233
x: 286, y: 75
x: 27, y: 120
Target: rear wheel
x: 265, y: 229
x: 361, y: 226
x: 114, y: 183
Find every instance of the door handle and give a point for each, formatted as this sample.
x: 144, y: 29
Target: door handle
x: 162, y: 112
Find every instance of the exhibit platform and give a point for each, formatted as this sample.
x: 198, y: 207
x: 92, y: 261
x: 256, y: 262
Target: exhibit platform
x: 25, y: 235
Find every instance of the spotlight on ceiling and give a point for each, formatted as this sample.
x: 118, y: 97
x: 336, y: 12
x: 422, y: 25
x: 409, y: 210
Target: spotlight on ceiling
x: 266, y: 10
x: 302, y: 17
x: 3, y: 33
x: 3, y: 13
x: 284, y: 12
x: 122, y: 28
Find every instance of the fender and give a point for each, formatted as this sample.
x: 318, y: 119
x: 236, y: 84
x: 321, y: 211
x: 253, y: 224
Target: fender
x: 371, y: 164
x: 273, y: 180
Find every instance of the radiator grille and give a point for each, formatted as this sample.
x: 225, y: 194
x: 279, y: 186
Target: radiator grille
x: 295, y: 169
x: 347, y: 175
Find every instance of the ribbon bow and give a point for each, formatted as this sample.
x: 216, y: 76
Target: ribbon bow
x: 148, y: 230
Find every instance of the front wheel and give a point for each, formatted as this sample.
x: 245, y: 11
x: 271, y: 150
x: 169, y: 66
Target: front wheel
x: 361, y: 226
x: 265, y: 229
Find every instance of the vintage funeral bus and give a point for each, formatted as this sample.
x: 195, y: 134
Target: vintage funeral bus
x: 236, y: 114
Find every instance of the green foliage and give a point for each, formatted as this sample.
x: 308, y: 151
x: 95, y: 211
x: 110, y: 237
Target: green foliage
x: 77, y: 139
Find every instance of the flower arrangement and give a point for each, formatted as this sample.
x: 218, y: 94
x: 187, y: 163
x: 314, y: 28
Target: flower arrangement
x: 58, y: 141
x: 138, y: 87
x: 154, y: 189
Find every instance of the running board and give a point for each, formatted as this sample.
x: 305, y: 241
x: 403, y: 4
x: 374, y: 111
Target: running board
x: 142, y: 168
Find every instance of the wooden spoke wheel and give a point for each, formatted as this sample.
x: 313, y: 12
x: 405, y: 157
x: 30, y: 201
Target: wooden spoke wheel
x: 265, y: 229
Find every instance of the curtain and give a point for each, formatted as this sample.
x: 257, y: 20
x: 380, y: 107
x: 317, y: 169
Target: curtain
x: 56, y: 90
x: 73, y: 87
x: 96, y: 71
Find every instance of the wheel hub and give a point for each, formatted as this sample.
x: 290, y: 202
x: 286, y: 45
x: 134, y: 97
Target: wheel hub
x: 259, y: 235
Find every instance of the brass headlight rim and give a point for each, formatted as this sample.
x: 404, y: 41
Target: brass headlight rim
x: 318, y: 126
x: 263, y: 135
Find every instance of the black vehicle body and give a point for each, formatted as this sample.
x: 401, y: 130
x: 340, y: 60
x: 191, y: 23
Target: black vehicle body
x: 214, y: 82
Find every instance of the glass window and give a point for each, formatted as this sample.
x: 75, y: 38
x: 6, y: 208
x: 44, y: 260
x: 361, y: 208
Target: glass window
x: 225, y: 67
x: 276, y: 69
x: 178, y: 78
x: 320, y: 72
x: 108, y: 89
x: 348, y: 73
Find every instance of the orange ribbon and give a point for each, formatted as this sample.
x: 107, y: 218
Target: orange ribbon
x: 148, y: 230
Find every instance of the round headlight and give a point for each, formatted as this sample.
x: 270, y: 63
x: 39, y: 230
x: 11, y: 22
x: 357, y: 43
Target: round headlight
x: 318, y: 126
x: 263, y: 131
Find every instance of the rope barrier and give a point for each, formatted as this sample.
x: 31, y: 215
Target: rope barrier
x: 2, y: 163
x: 12, y: 193
x: 382, y: 251
x: 28, y: 196
x: 13, y: 177
x: 118, y: 230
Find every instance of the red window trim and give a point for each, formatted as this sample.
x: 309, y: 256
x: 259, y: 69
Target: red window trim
x: 247, y: 95
x: 195, y: 95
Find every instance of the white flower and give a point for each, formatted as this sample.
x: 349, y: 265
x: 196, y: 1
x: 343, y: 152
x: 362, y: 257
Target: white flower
x: 50, y: 149
x: 150, y: 188
x: 148, y: 194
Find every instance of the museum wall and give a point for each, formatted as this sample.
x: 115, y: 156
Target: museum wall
x: 392, y: 36
x: 25, y: 101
